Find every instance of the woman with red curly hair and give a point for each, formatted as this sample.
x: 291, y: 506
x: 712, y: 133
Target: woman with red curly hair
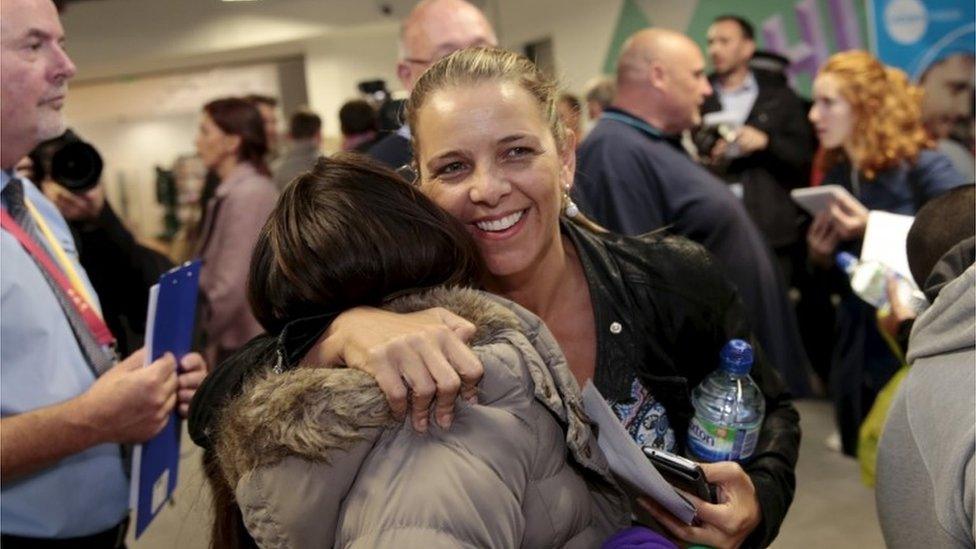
x: 868, y: 119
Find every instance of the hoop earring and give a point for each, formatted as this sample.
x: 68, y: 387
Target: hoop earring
x: 570, y: 208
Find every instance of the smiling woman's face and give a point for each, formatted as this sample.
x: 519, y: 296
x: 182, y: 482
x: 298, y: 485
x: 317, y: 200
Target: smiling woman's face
x: 488, y: 157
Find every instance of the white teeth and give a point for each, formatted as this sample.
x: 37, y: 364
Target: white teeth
x: 500, y: 224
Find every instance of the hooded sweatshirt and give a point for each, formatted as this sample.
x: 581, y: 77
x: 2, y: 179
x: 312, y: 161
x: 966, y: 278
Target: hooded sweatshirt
x: 925, y: 492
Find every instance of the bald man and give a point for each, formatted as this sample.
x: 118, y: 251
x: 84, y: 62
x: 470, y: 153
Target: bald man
x: 633, y: 176
x: 434, y: 29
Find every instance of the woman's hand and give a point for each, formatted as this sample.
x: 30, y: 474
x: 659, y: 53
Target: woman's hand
x: 848, y: 217
x: 822, y: 240
x: 722, y: 525
x: 424, y: 352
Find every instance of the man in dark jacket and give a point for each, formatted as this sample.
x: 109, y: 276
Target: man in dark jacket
x: 767, y: 144
x: 766, y: 151
x: 304, y: 147
x: 633, y: 177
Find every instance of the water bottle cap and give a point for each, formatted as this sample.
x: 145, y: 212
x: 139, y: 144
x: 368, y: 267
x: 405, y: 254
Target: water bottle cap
x: 845, y: 260
x: 737, y: 357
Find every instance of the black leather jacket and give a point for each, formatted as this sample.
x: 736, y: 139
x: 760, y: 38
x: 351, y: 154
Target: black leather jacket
x: 663, y: 310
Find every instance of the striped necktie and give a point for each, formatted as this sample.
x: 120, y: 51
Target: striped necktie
x: 98, y: 357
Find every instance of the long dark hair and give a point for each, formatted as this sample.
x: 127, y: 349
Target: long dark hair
x: 347, y: 233
x: 351, y: 232
x: 235, y: 116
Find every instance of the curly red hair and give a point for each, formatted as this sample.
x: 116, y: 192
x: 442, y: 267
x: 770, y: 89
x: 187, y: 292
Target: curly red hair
x: 888, y: 109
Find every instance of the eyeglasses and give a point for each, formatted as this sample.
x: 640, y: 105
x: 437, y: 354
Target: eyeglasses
x: 408, y: 173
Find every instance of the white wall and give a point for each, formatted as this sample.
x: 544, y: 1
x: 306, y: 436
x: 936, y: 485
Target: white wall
x: 581, y: 30
x: 139, y: 123
x: 580, y: 33
x: 335, y: 63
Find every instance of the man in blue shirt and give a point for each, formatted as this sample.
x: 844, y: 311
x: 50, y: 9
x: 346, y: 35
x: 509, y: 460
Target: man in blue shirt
x: 633, y: 177
x: 771, y: 142
x: 61, y: 471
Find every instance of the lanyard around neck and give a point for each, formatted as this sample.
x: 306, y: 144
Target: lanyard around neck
x: 80, y: 306
x: 62, y: 258
x: 634, y: 122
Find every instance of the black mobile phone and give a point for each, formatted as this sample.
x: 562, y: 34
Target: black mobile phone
x: 682, y: 473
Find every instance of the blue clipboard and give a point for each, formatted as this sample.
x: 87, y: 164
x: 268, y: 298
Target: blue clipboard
x: 169, y: 328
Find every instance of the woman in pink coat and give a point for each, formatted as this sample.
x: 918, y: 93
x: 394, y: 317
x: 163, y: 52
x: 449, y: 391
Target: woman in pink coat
x: 232, y: 145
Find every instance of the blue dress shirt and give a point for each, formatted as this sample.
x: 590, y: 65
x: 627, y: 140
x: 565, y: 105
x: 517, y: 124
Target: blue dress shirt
x: 41, y: 364
x: 739, y: 102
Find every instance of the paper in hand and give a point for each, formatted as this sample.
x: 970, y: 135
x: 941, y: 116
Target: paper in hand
x: 626, y: 459
x: 884, y: 241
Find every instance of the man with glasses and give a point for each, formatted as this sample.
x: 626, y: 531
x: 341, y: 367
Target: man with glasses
x: 433, y: 30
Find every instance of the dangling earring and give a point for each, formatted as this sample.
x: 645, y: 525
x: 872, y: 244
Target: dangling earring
x: 570, y: 208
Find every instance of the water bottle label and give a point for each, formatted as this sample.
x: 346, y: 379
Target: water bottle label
x: 711, y: 442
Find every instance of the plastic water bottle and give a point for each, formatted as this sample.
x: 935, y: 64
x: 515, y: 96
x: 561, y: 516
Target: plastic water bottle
x: 869, y: 281
x: 729, y: 409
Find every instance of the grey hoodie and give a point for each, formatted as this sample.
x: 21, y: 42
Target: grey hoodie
x: 925, y: 470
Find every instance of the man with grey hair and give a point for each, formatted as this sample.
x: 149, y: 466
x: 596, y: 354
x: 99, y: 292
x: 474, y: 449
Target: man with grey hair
x: 434, y: 29
x: 66, y: 403
x: 599, y: 93
x: 633, y: 176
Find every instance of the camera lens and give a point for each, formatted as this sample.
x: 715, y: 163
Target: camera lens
x: 76, y: 166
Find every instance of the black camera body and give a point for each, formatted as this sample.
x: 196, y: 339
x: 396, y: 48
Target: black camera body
x: 68, y: 161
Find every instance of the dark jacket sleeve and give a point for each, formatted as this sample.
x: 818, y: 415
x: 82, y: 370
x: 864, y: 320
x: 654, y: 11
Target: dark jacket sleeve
x: 933, y: 174
x: 223, y: 384
x: 722, y: 317
x: 789, y: 153
x: 618, y: 187
x: 772, y: 467
x: 120, y: 269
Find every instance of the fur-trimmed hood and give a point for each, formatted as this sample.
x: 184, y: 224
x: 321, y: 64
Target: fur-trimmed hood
x: 334, y: 420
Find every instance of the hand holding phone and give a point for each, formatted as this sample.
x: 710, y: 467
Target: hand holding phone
x: 682, y: 473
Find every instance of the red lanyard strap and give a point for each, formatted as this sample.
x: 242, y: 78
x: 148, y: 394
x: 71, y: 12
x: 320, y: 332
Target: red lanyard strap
x: 95, y: 324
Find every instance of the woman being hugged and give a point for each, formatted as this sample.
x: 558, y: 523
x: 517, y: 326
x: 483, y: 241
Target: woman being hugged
x: 231, y: 143
x: 314, y: 456
x: 868, y: 119
x: 643, y: 318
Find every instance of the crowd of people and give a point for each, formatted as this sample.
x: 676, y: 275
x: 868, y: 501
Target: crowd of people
x: 412, y: 319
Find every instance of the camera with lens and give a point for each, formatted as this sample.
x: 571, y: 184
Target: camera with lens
x: 706, y: 136
x: 68, y: 161
x: 389, y: 110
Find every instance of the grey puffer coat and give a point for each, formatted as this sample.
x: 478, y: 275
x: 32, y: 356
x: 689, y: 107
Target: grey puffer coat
x: 316, y: 459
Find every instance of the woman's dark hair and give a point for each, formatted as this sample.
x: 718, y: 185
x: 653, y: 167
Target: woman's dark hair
x: 235, y: 116
x: 351, y: 232
x: 227, y: 529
